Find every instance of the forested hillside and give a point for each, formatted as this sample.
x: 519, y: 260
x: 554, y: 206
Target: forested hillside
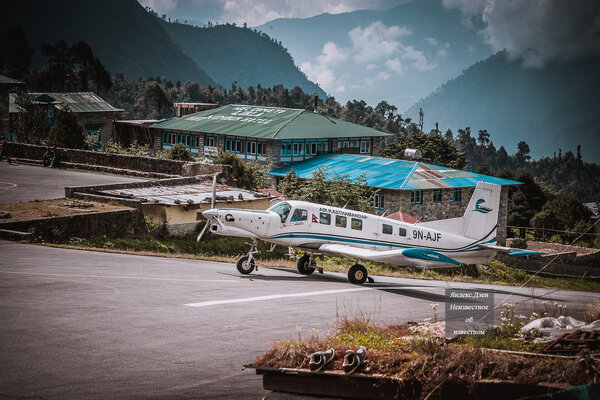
x: 240, y: 56
x: 551, y: 108
x: 122, y: 34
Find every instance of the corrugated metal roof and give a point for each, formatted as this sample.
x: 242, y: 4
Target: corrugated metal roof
x: 185, y: 194
x: 79, y: 102
x: 388, y: 173
x: 6, y: 80
x: 266, y: 123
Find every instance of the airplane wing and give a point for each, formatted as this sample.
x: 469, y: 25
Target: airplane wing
x: 511, y: 251
x: 412, y: 257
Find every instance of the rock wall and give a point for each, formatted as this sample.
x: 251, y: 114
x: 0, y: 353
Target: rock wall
x: 119, y: 161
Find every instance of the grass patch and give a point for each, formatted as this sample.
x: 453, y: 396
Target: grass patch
x: 228, y: 249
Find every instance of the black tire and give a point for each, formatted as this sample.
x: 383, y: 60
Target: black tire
x: 303, y: 266
x: 244, y: 266
x: 357, y: 274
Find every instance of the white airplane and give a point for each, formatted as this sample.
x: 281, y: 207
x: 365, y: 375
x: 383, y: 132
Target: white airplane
x: 323, y: 230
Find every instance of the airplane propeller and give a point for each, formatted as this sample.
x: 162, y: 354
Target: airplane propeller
x: 212, y: 205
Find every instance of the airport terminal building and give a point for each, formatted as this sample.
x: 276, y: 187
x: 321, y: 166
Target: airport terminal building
x: 272, y: 135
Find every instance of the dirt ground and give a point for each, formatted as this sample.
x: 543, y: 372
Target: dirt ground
x: 50, y: 208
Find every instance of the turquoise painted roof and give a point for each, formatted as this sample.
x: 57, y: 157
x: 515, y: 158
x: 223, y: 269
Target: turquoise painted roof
x: 266, y: 123
x: 390, y: 173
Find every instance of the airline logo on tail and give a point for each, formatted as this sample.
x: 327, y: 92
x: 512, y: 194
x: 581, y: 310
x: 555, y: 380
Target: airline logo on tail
x: 479, y: 207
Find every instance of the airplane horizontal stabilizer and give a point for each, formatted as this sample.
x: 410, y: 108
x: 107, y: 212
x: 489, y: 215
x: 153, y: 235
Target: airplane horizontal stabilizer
x: 511, y: 251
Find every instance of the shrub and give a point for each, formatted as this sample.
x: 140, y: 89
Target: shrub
x: 519, y: 243
x: 180, y: 152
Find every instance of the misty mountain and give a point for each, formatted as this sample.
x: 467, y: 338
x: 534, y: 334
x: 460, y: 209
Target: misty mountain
x: 233, y: 54
x: 125, y: 37
x: 399, y: 55
x: 550, y: 108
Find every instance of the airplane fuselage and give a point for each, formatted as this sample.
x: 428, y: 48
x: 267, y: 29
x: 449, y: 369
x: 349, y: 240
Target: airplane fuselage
x: 309, y: 226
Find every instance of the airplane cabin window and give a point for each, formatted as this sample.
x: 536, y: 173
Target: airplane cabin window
x: 299, y: 215
x: 402, y: 232
x: 325, y: 219
x: 283, y: 209
x: 387, y: 229
x: 356, y: 224
x: 340, y: 221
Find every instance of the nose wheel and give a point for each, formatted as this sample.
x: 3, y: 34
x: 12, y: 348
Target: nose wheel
x: 245, y: 265
x: 358, y: 274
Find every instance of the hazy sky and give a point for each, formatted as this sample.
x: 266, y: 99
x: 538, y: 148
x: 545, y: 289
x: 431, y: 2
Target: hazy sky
x: 257, y: 12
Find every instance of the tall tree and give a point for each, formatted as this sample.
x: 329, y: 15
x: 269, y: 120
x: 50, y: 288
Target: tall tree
x: 66, y: 132
x: 156, y: 99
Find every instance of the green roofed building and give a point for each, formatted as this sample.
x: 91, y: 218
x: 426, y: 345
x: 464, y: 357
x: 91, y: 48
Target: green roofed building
x: 267, y: 134
x: 94, y: 113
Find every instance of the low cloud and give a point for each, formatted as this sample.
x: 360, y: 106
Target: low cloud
x: 537, y: 31
x: 258, y: 12
x: 377, y: 53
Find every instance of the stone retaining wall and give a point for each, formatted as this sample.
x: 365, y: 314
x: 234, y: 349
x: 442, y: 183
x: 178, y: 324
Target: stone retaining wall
x: 559, y: 264
x: 112, y: 224
x: 120, y: 161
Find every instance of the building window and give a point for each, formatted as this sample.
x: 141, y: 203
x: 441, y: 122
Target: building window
x: 210, y: 141
x: 387, y: 229
x: 456, y: 195
x: 325, y: 219
x: 416, y: 197
x: 365, y: 147
x: 402, y: 232
x: 437, y: 195
x: 50, y: 111
x: 262, y: 149
x: 378, y: 201
x: 356, y: 224
x: 340, y: 221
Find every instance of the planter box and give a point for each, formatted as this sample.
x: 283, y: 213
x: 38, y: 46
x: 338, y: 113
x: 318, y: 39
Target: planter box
x: 361, y: 386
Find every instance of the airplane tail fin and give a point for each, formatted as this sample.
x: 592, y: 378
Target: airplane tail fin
x: 481, y: 215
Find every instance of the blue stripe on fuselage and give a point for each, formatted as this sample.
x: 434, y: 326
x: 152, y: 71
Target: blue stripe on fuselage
x: 473, y: 247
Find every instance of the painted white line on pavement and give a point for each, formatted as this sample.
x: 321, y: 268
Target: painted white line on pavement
x: 275, y: 296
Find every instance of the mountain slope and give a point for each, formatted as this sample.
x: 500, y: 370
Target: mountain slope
x: 550, y: 108
x: 230, y: 54
x: 125, y: 37
x: 442, y: 37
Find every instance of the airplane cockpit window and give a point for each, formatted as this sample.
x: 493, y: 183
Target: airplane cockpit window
x: 340, y: 221
x: 283, y: 209
x: 356, y: 224
x: 299, y: 215
x: 402, y: 232
x: 387, y: 229
x: 325, y: 218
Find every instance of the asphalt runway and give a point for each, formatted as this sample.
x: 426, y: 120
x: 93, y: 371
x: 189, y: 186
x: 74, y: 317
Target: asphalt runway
x: 90, y: 325
x: 20, y: 182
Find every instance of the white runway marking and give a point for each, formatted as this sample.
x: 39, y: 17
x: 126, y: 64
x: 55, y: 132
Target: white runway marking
x: 274, y: 296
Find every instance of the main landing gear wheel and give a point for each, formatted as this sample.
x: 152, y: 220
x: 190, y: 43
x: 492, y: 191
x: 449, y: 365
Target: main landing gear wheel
x: 357, y: 274
x: 245, y: 266
x: 306, y: 266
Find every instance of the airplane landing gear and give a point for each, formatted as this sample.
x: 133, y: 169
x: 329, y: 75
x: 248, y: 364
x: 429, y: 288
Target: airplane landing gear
x: 245, y: 264
x: 357, y: 274
x: 307, y: 264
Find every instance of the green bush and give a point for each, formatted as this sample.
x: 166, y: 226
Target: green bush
x: 519, y: 243
x: 180, y: 152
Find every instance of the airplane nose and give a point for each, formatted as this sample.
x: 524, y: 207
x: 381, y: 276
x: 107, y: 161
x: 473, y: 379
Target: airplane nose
x: 210, y: 213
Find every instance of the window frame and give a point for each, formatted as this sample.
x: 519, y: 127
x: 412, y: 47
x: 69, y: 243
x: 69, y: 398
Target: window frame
x: 416, y: 197
x: 358, y: 226
x: 341, y: 221
x: 439, y: 194
x: 323, y: 218
x: 387, y: 229
x: 456, y: 195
